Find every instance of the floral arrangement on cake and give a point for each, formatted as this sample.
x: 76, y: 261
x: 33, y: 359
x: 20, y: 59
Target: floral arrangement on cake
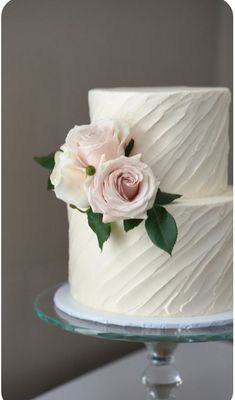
x: 94, y: 173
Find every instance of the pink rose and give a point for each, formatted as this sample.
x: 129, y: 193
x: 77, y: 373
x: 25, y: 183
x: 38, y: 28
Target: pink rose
x: 123, y: 188
x: 90, y: 142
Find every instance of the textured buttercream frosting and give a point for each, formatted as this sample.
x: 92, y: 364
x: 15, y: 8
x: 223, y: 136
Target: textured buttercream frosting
x: 132, y: 276
x: 182, y: 134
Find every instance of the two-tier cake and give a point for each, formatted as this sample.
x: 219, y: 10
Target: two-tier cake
x: 182, y: 134
x: 149, y: 207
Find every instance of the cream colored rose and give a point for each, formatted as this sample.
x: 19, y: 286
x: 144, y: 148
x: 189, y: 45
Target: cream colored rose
x: 69, y: 179
x: 123, y: 188
x: 89, y: 142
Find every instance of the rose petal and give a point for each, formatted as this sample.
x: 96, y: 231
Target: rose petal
x: 69, y: 180
x: 89, y: 142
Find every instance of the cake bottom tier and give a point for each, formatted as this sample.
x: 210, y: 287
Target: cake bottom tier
x: 131, y: 276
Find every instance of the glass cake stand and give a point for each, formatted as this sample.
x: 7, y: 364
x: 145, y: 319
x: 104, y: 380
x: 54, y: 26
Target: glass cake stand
x: 161, y: 376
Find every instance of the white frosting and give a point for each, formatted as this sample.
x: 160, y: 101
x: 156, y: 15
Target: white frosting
x: 182, y: 133
x: 132, y: 276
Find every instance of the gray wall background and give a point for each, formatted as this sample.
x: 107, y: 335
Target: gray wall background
x: 53, y: 52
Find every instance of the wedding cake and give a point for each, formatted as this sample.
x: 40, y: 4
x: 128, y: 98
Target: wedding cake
x: 182, y: 134
x: 156, y: 195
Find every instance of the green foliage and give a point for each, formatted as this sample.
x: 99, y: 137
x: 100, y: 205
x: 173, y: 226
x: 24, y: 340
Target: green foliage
x: 131, y: 223
x: 47, y: 162
x: 129, y: 147
x: 164, y: 198
x: 161, y: 228
x: 78, y: 209
x: 101, y: 229
x: 50, y: 186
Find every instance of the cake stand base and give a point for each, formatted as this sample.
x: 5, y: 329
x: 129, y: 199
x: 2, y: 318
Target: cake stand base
x: 161, y: 375
x: 160, y: 335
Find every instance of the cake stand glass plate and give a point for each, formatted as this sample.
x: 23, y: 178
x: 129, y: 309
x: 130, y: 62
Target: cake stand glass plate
x: 161, y: 338
x: 181, y: 330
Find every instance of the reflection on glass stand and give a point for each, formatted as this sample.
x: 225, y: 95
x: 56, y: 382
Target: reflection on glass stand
x: 160, y: 376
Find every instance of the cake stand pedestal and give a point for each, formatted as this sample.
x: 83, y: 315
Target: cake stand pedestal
x: 161, y: 336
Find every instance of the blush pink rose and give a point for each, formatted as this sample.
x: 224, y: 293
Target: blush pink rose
x: 123, y: 188
x: 102, y: 138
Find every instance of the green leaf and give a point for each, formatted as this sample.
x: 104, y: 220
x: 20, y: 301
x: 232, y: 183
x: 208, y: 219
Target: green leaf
x: 161, y: 228
x: 101, y: 229
x: 129, y: 147
x: 46, y: 161
x: 50, y: 186
x: 131, y: 223
x: 164, y: 198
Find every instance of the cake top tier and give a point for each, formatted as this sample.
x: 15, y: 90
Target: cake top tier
x: 163, y: 89
x: 182, y: 132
